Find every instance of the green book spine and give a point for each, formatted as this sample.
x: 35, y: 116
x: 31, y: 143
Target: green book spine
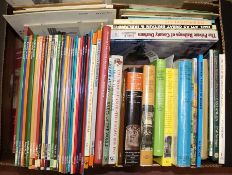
x: 54, y: 116
x: 158, y: 127
x: 29, y: 106
x: 20, y: 103
x: 108, y: 109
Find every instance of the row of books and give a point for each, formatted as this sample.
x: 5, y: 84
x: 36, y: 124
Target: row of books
x: 79, y: 107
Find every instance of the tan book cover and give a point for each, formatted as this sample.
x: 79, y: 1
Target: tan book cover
x: 146, y: 158
x: 204, y: 153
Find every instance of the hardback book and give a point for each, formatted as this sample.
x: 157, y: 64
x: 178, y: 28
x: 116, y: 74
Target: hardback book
x: 175, y: 122
x: 170, y: 21
x: 133, y: 111
x: 211, y: 101
x: 122, y: 122
x: 205, y: 121
x: 148, y: 100
x: 102, y: 87
x: 184, y: 112
x: 158, y: 129
x: 194, y: 112
x: 116, y: 107
x: 222, y: 96
x: 200, y: 75
x: 108, y: 112
x: 216, y: 106
x: 170, y: 115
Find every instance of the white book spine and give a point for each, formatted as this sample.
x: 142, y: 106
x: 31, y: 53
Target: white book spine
x: 202, y: 35
x: 90, y: 100
x: 51, y: 117
x: 43, y: 149
x: 222, y: 80
x: 162, y: 21
x: 95, y: 92
x: 211, y: 102
x: 116, y: 106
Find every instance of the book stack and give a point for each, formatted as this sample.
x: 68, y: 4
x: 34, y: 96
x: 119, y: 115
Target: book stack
x: 139, y: 91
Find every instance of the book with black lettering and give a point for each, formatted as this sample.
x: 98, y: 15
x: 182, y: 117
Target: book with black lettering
x: 133, y: 111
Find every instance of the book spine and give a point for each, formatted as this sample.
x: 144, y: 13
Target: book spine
x: 184, y: 113
x: 146, y: 157
x: 42, y: 84
x: 194, y: 112
x: 90, y: 92
x: 95, y: 93
x: 175, y: 119
x: 163, y: 26
x: 29, y: 106
x: 133, y: 111
x: 39, y: 100
x: 18, y: 128
x: 205, y: 126
x: 202, y: 35
x: 43, y: 148
x: 54, y: 102
x: 108, y: 109
x: 25, y: 116
x: 106, y: 33
x: 216, y: 107
x: 199, y: 107
x: 158, y: 129
x: 163, y: 22
x: 61, y: 98
x: 34, y: 104
x: 122, y: 123
x: 76, y: 105
x: 166, y: 159
x: 211, y: 101
x: 85, y: 93
x: 115, y: 113
x: 222, y: 76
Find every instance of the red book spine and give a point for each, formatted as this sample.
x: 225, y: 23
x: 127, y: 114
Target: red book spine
x: 75, y: 156
x: 101, y: 99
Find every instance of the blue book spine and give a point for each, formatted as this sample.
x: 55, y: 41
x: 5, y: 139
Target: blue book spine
x: 184, y: 113
x: 199, y: 107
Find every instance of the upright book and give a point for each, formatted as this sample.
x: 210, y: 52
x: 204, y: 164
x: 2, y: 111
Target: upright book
x: 184, y: 112
x: 146, y: 157
x: 133, y: 111
x: 102, y: 86
x: 158, y: 128
x: 170, y: 117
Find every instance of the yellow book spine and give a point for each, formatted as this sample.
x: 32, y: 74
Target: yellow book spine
x: 175, y: 119
x: 61, y: 156
x: 146, y: 157
x: 166, y: 159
